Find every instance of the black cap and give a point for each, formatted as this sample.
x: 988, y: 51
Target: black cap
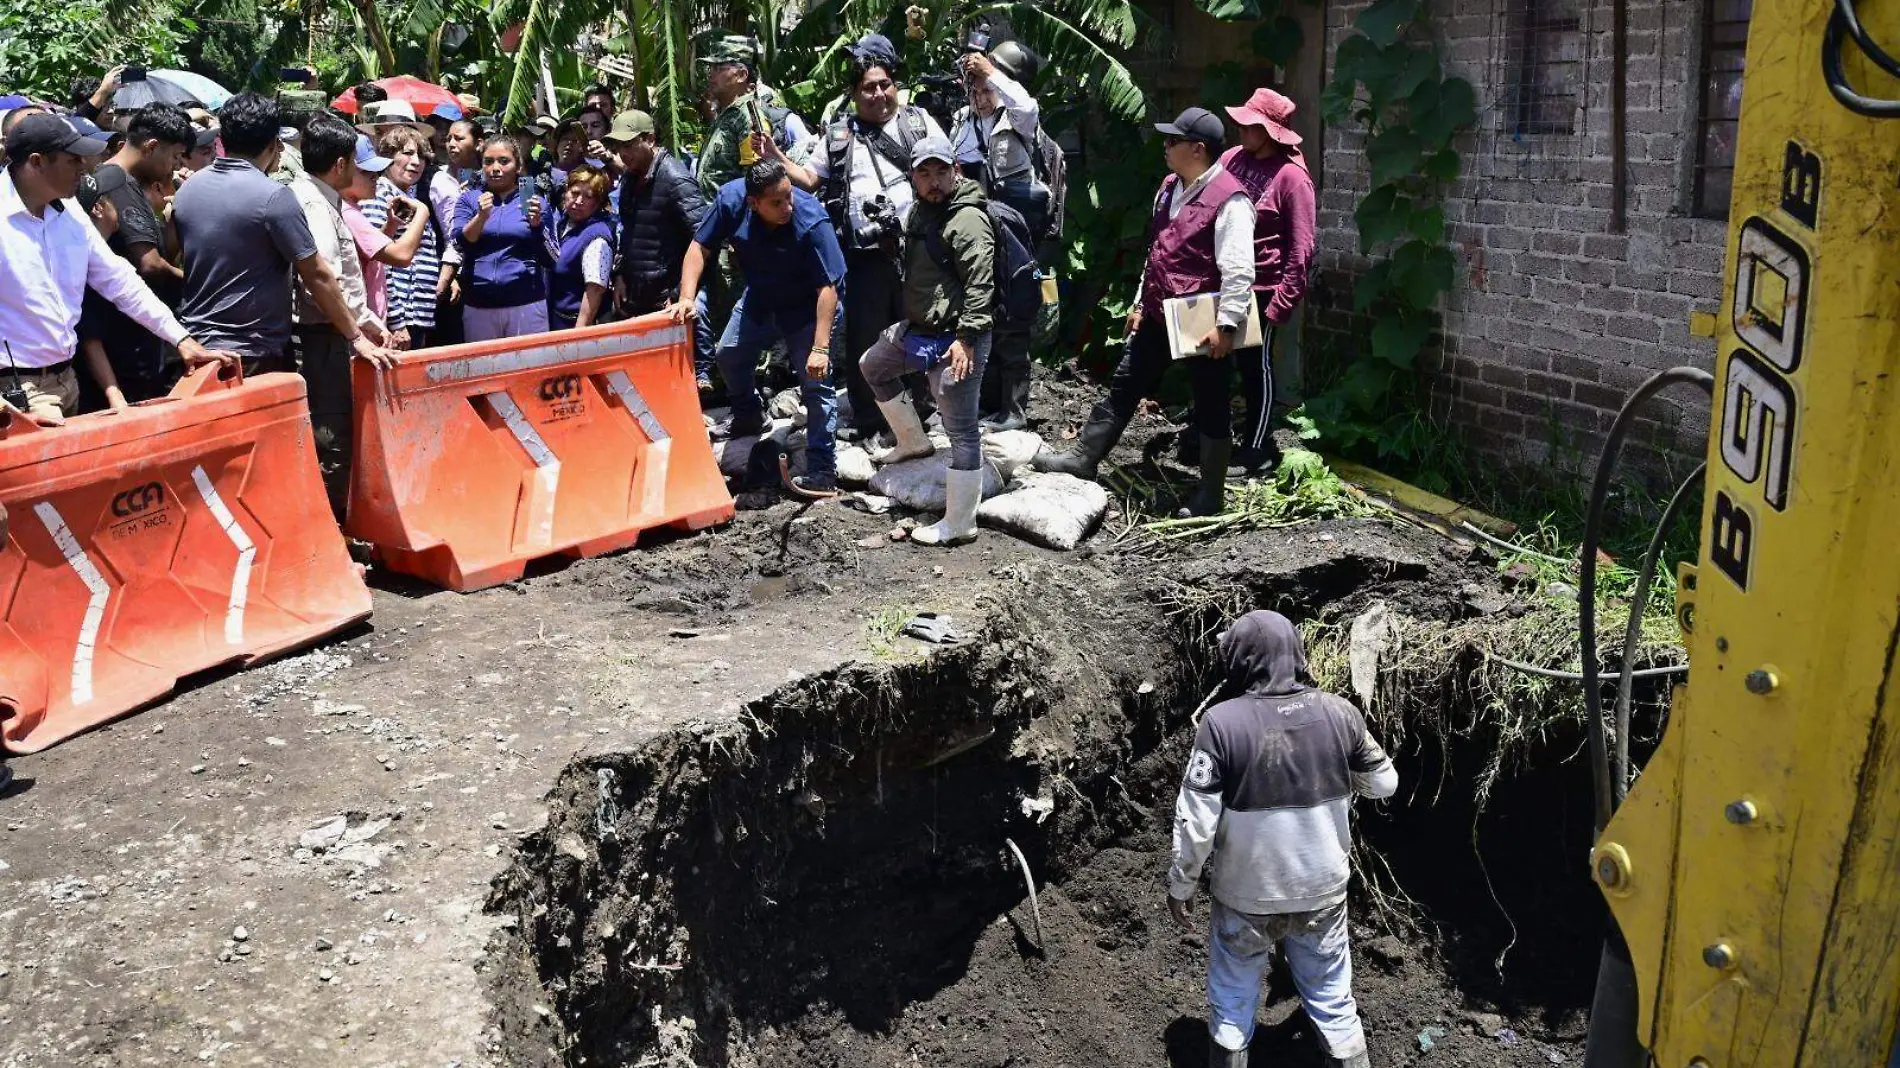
x: 875, y: 49
x: 1196, y: 124
x: 99, y: 184
x: 46, y: 134
x: 207, y: 137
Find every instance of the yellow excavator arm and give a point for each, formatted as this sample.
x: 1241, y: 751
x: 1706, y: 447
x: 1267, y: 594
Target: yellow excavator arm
x: 1754, y: 868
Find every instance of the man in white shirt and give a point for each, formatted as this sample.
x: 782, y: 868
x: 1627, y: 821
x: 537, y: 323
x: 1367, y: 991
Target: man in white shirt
x: 1202, y: 234
x: 331, y: 158
x: 861, y: 170
x: 996, y: 145
x: 49, y: 254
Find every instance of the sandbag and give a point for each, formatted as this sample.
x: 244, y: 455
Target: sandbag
x: 734, y: 456
x: 788, y: 404
x: 918, y: 484
x: 855, y: 468
x: 1011, y: 450
x: 1052, y: 510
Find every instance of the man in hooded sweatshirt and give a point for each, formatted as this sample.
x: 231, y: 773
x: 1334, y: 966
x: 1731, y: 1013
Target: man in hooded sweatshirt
x: 1268, y: 791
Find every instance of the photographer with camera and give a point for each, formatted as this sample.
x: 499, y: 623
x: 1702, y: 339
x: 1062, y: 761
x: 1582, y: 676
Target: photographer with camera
x: 862, y: 173
x: 950, y: 310
x: 999, y: 142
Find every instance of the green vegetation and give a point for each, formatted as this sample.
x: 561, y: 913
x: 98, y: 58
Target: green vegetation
x: 1388, y: 80
x: 1303, y: 489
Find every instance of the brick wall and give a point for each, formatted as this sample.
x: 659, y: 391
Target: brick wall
x: 1554, y: 318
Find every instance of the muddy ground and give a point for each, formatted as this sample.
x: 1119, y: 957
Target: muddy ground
x: 478, y: 727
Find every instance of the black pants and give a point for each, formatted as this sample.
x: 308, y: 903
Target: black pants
x: 1009, y: 362
x: 873, y: 300
x: 1256, y: 385
x: 324, y: 360
x: 448, y: 322
x: 1148, y: 359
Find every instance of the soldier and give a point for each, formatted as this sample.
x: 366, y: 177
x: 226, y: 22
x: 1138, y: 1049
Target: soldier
x: 732, y: 80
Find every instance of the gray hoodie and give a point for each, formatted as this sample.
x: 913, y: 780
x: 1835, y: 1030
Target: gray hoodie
x: 1269, y: 786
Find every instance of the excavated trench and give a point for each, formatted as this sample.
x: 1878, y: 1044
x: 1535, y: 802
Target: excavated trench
x: 827, y: 876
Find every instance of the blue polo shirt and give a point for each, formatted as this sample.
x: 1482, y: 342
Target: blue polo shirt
x: 784, y: 266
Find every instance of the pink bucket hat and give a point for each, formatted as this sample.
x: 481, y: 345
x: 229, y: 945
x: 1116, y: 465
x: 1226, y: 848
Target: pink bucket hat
x: 1271, y: 110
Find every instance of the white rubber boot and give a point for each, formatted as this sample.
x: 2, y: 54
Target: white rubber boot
x: 912, y: 442
x: 962, y: 490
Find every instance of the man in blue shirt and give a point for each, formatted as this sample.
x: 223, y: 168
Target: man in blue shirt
x: 783, y: 241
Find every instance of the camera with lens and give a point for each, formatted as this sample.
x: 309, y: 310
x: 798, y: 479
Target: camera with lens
x: 880, y: 222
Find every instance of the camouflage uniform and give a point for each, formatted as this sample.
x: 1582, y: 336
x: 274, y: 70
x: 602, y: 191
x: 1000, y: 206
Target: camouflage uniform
x: 728, y: 149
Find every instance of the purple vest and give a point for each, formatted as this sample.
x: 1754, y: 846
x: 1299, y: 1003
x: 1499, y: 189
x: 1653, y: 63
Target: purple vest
x: 567, y: 283
x: 1181, y: 260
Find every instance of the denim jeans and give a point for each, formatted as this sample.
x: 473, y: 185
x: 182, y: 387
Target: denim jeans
x: 702, y: 337
x: 748, y: 334
x: 1318, y: 953
x: 886, y: 363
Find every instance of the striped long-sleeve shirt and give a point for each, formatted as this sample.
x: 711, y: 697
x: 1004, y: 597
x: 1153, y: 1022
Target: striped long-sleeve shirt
x: 411, y: 288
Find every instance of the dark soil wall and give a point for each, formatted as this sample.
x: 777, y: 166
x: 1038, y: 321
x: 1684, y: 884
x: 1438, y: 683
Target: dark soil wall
x: 821, y: 878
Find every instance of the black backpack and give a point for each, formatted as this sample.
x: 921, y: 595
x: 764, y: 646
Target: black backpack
x: 1052, y: 168
x: 1018, y: 290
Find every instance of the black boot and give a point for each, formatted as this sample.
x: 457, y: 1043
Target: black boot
x: 1187, y: 445
x: 1211, y: 497
x: 1104, y: 430
x: 1012, y: 400
x: 1248, y: 462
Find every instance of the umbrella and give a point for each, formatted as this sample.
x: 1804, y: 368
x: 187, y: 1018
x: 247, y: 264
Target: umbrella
x: 8, y: 103
x: 421, y: 95
x: 133, y: 95
x: 202, y: 89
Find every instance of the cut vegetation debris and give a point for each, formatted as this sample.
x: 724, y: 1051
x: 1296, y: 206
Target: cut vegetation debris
x: 1300, y: 490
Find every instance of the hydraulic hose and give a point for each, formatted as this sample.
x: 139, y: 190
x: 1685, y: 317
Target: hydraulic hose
x: 1844, y: 23
x: 1613, y: 1041
x: 1602, y: 777
x: 1633, y: 632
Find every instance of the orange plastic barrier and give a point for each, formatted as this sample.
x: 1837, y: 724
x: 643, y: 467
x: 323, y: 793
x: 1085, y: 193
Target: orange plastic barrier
x: 141, y: 547
x: 473, y: 460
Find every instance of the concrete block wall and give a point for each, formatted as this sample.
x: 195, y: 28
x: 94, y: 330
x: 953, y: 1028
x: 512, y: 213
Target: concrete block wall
x: 1554, y: 318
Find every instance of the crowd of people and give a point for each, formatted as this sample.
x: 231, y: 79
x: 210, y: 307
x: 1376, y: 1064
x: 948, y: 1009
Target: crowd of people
x: 286, y: 235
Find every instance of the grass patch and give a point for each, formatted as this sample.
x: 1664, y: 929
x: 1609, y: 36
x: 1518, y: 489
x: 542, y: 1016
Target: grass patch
x: 884, y: 628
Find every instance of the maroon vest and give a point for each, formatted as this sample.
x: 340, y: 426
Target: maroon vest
x: 1181, y: 260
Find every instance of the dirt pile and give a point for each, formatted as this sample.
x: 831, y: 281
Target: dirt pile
x: 825, y: 877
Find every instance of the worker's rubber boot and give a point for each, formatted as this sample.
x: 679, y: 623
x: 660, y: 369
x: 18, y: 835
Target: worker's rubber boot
x: 962, y: 490
x: 1211, y: 497
x: 1012, y: 400
x: 1357, y: 1060
x: 1104, y: 430
x: 907, y: 428
x: 1219, y: 1056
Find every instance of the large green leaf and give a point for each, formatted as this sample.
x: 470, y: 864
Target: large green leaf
x: 1428, y: 223
x: 1230, y: 10
x: 1397, y: 339
x: 1397, y: 72
x: 1443, y: 165
x: 1372, y: 286
x: 1394, y: 154
x: 1438, y: 110
x: 1382, y: 215
x: 1421, y: 271
x: 1384, y: 19
x: 1071, y: 47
